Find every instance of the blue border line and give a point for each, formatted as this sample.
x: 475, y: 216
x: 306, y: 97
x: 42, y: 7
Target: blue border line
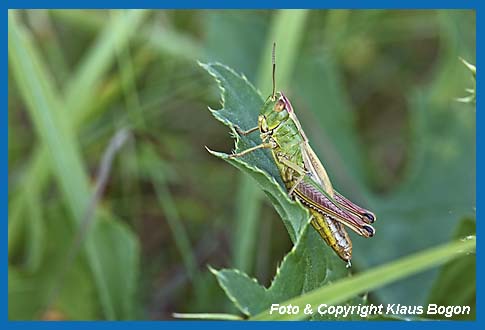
x: 479, y: 163
x: 248, y: 4
x: 279, y: 325
x: 4, y: 163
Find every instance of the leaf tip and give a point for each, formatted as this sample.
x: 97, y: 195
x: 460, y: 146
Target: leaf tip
x: 213, y: 270
x: 202, y: 65
x: 470, y: 66
x: 221, y: 155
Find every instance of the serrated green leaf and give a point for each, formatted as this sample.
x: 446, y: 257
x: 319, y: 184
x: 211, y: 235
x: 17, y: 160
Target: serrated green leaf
x: 246, y: 293
x: 471, y: 97
x: 241, y: 104
x: 311, y: 263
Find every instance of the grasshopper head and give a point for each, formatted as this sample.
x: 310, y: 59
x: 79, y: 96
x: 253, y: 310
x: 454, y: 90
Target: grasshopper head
x: 274, y: 111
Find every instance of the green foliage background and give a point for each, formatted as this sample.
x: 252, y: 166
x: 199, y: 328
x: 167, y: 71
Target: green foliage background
x: 375, y: 91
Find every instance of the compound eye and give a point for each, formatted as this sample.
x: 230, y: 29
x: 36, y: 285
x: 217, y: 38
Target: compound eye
x: 279, y: 106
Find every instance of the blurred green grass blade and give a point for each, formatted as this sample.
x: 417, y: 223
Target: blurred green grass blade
x: 85, y: 19
x: 100, y: 57
x: 163, y: 39
x: 248, y: 205
x: 286, y: 30
x: 45, y: 108
x: 37, y: 171
x: 90, y: 72
x: 336, y: 23
x: 207, y: 316
x: 169, y: 41
x: 36, y: 234
x: 153, y: 167
x: 178, y: 231
x: 113, y: 250
x: 349, y: 287
x: 128, y: 81
x: 17, y: 207
x: 41, y: 22
x: 129, y: 162
x: 114, y: 85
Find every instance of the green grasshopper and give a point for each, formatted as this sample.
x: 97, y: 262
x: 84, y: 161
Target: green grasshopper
x: 304, y: 175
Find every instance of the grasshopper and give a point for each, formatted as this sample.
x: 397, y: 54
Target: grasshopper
x: 304, y: 175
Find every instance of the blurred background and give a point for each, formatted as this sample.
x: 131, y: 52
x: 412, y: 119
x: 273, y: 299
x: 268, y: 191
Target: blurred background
x: 115, y: 206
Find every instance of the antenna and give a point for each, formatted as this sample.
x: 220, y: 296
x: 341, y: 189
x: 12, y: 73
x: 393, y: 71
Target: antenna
x: 273, y: 58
